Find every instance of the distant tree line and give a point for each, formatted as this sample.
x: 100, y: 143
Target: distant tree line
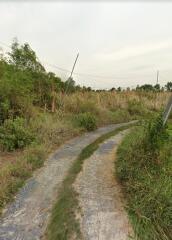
x: 147, y: 87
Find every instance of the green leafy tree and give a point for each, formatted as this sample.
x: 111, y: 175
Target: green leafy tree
x: 24, y: 58
x: 168, y: 86
x: 157, y: 87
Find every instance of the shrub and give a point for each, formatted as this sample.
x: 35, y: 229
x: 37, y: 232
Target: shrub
x: 14, y: 134
x: 155, y: 135
x: 87, y: 121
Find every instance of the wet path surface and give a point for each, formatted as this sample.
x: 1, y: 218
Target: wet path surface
x: 102, y: 212
x: 27, y: 216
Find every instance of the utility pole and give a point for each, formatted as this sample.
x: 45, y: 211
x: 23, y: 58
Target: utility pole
x: 157, y: 77
x: 74, y: 65
x: 72, y: 72
x: 167, y: 111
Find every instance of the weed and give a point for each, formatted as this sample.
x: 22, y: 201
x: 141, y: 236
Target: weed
x: 144, y: 169
x: 14, y: 174
x: 87, y: 121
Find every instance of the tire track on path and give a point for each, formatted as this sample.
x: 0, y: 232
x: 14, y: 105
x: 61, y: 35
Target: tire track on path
x: 26, y: 218
x: 102, y: 211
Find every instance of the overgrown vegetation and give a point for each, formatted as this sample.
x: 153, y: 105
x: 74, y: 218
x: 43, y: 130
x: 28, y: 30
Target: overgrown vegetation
x: 38, y: 109
x: 14, y: 134
x: 87, y: 121
x: 144, y: 169
x: 63, y: 224
x: 13, y: 174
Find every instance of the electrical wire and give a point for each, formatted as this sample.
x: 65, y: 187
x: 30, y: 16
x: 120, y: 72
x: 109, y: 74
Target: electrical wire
x: 77, y: 73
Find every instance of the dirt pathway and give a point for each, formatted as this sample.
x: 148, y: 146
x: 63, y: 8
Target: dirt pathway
x: 103, y: 216
x: 27, y: 216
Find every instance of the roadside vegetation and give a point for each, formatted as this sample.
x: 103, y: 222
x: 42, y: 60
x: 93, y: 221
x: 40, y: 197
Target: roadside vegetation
x: 144, y: 168
x: 39, y: 111
x: 64, y: 224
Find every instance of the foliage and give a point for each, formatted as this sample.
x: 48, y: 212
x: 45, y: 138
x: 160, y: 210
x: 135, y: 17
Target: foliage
x: 87, y: 121
x: 14, y: 134
x: 149, y: 87
x: 24, y: 58
x: 33, y: 100
x: 144, y: 169
x: 168, y: 86
x: 155, y: 134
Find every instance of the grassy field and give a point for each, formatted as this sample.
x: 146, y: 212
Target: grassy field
x: 144, y: 171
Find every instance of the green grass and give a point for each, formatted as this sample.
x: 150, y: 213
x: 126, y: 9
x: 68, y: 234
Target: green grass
x: 147, y: 185
x: 64, y: 224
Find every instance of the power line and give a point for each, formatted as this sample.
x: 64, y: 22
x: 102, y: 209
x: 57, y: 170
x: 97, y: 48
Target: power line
x: 5, y: 44
x: 74, y: 65
x: 77, y: 73
x: 54, y: 66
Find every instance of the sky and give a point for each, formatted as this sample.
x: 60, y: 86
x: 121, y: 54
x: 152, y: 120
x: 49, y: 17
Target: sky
x: 119, y: 43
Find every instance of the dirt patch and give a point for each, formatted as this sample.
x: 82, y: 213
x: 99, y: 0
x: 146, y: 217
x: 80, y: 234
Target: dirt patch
x: 9, y: 157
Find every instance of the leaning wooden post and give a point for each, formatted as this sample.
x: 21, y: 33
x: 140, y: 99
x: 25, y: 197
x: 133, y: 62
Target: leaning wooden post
x: 167, y: 110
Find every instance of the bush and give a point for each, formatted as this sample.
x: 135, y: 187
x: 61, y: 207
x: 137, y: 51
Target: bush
x: 87, y: 121
x: 14, y: 134
x: 156, y: 134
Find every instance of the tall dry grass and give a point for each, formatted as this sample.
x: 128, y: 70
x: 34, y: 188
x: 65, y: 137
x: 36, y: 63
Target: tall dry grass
x: 92, y: 101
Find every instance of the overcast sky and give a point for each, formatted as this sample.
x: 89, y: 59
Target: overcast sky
x: 119, y: 43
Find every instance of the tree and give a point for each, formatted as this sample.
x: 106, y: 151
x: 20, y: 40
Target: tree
x: 24, y: 58
x: 146, y: 87
x: 112, y: 89
x: 69, y: 85
x: 168, y: 86
x: 55, y: 86
x: 157, y: 87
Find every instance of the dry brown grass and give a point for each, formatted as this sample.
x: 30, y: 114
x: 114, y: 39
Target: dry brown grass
x: 92, y: 101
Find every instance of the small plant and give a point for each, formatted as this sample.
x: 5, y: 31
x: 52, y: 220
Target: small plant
x: 35, y: 155
x: 155, y: 134
x: 87, y: 121
x: 14, y: 134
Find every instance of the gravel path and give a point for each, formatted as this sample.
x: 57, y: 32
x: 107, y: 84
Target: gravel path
x: 27, y: 216
x: 103, y: 216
